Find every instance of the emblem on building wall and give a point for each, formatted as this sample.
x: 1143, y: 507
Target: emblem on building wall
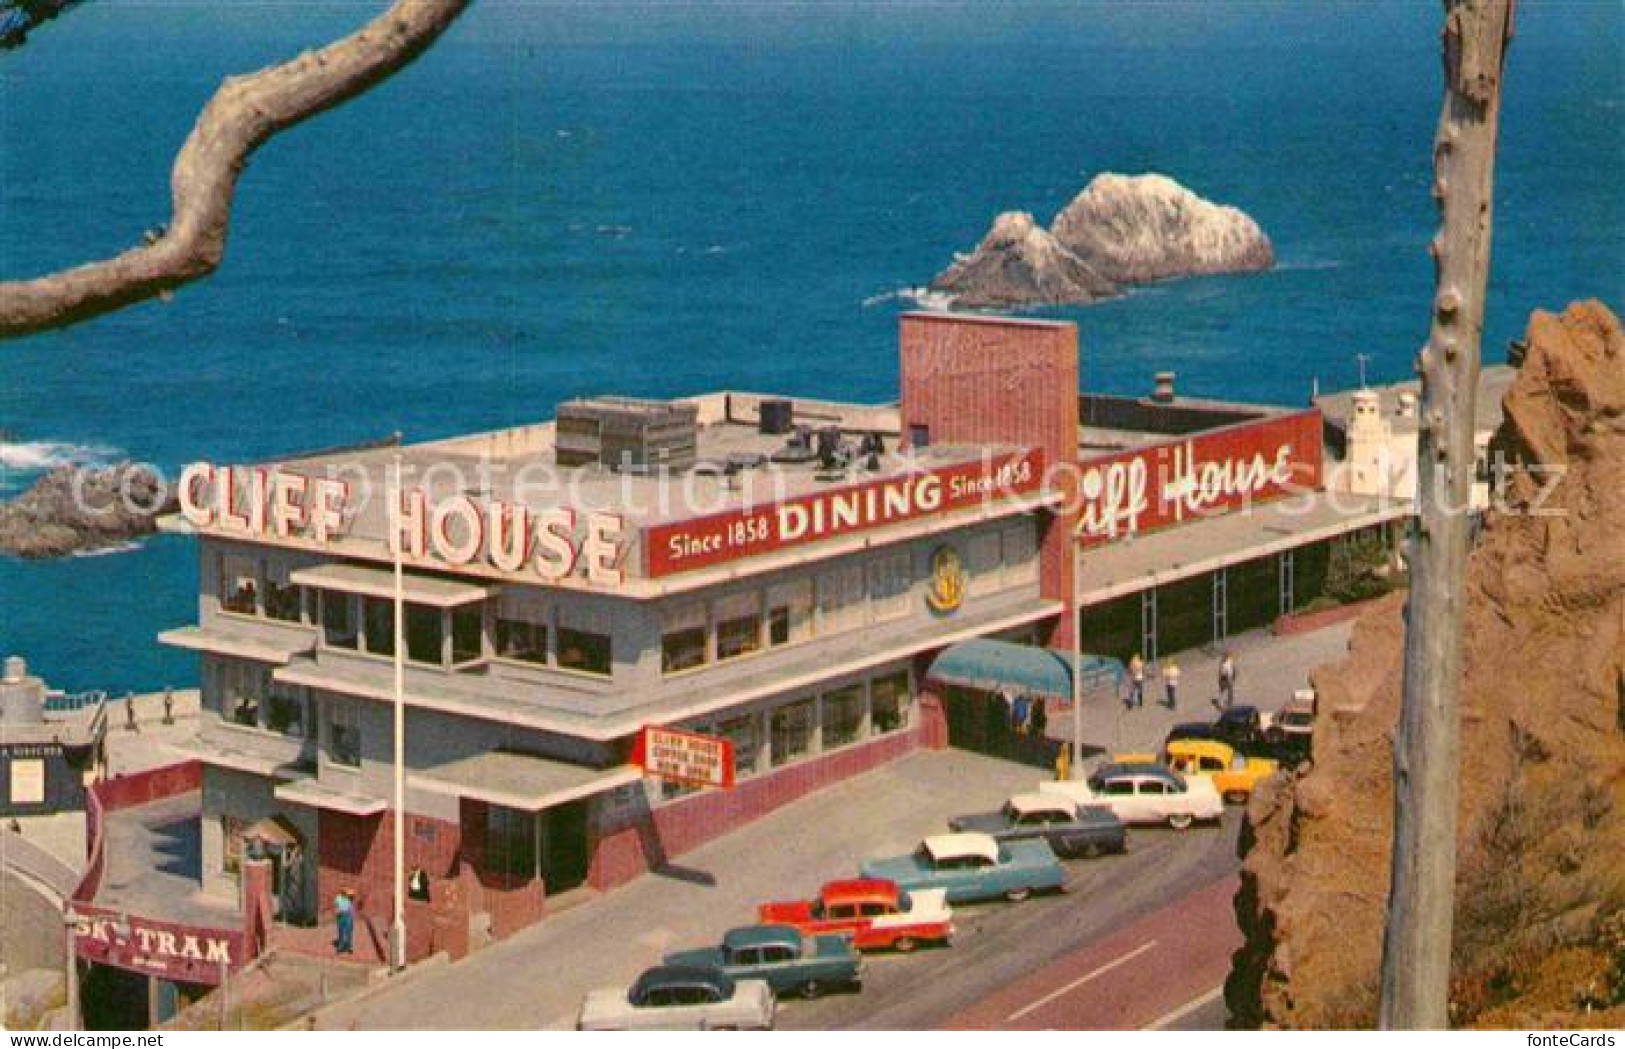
x: 947, y: 590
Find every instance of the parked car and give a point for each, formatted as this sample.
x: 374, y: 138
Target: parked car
x: 1291, y: 731
x: 1191, y: 730
x: 1233, y: 774
x: 1069, y: 830
x: 973, y: 866
x: 782, y: 956
x: 873, y: 911
x: 1240, y: 726
x: 1143, y: 792
x: 680, y: 998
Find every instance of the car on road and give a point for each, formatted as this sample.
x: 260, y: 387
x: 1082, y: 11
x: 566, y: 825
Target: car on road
x: 873, y: 911
x: 1190, y: 730
x: 1233, y: 774
x: 680, y: 998
x: 973, y: 866
x: 1143, y: 792
x: 1240, y: 726
x: 1069, y: 829
x: 1291, y: 730
x: 787, y: 960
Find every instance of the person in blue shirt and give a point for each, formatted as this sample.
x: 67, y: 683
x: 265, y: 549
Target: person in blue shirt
x: 344, y: 920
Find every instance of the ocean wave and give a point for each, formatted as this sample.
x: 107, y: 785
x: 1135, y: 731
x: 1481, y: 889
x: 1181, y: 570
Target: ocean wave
x: 108, y: 551
x: 38, y: 456
x: 925, y: 298
x: 1310, y: 264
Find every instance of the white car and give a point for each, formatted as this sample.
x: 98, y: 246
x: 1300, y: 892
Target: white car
x: 1144, y: 792
x: 680, y: 998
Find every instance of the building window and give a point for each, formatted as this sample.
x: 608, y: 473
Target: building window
x: 283, y: 600
x: 790, y: 611
x: 467, y: 634
x: 344, y: 734
x: 1020, y: 553
x: 424, y: 635
x: 741, y: 732
x: 285, y: 710
x: 239, y: 585
x: 919, y: 435
x: 510, y: 842
x: 739, y: 625
x: 792, y: 731
x: 584, y: 650
x: 889, y: 700
x: 521, y: 632
x: 983, y: 561
x: 242, y: 688
x: 843, y: 716
x: 682, y: 637
x: 378, y: 625
x: 889, y: 579
x: 338, y: 620
x: 840, y: 599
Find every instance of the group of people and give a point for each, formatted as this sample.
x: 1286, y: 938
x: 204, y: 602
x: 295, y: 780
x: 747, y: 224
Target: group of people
x: 1028, y: 717
x: 1137, y: 673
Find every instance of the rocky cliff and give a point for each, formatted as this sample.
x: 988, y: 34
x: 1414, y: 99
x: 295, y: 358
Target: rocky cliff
x: 1121, y: 230
x: 1540, y: 938
x: 78, y: 508
x: 1019, y: 263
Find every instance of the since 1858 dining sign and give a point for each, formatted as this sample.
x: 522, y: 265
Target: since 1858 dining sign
x: 685, y: 757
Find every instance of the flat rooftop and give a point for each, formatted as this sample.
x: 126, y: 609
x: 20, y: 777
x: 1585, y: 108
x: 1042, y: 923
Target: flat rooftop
x: 1493, y: 383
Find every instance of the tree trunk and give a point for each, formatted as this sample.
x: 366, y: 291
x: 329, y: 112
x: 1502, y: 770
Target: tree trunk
x: 1417, y: 943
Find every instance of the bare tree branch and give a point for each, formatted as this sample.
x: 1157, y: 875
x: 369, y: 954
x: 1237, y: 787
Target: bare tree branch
x: 242, y: 115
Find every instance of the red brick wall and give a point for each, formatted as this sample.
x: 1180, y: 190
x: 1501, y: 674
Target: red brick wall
x: 978, y: 380
x: 357, y: 853
x: 624, y: 853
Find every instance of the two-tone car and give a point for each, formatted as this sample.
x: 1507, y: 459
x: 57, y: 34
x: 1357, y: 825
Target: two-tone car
x: 973, y: 866
x: 874, y: 912
x: 789, y: 962
x: 680, y: 998
x: 1291, y: 730
x: 1071, y: 830
x: 1233, y: 774
x: 1143, y: 792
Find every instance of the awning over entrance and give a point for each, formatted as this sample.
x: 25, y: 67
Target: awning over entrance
x: 993, y: 666
x: 519, y: 781
x: 380, y: 582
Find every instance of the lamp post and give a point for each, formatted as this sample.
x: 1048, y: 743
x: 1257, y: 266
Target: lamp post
x: 397, y: 927
x: 70, y: 926
x: 1077, y: 692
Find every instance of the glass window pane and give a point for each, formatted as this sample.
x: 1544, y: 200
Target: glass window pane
x: 285, y: 710
x: 683, y: 637
x: 378, y: 625
x: 584, y: 651
x: 343, y: 734
x: 239, y: 585
x: 792, y: 726
x: 889, y: 702
x: 423, y: 634
x: 843, y: 716
x: 789, y: 611
x: 338, y: 620
x: 283, y: 600
x: 521, y: 631
x: 739, y: 625
x: 467, y: 634
x: 741, y: 732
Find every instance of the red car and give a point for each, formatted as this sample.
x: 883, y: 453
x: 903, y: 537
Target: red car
x: 873, y: 911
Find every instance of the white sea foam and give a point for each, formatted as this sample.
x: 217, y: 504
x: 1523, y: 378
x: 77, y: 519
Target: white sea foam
x: 922, y: 297
x: 37, y: 456
x: 107, y: 551
x: 1310, y: 264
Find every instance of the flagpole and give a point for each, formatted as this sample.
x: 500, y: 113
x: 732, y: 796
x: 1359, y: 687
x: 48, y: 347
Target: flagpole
x: 1077, y: 693
x: 397, y: 929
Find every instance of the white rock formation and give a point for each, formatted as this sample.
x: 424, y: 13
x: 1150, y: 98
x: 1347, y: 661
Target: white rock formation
x: 1020, y: 263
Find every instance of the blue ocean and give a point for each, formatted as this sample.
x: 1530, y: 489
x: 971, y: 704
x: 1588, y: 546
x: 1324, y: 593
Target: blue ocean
x: 563, y: 199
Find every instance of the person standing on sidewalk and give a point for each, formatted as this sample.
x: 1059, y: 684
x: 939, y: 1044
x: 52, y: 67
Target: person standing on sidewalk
x: 1170, y: 683
x: 1136, y: 681
x: 344, y: 922
x: 1227, y: 681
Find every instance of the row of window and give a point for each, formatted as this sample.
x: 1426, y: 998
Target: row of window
x: 849, y: 597
x: 251, y: 698
x: 801, y: 728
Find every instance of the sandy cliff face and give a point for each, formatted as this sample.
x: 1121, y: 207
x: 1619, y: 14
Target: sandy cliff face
x: 1121, y: 230
x: 1020, y: 263
x: 1540, y: 940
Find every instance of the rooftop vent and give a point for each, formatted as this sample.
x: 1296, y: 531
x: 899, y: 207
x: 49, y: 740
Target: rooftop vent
x: 776, y: 416
x: 1163, y: 389
x: 1407, y: 405
x: 625, y: 433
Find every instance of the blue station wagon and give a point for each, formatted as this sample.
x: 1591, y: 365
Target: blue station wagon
x: 974, y: 866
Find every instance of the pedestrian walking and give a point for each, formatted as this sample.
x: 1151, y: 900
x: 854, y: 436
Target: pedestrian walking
x: 1227, y: 681
x: 344, y: 922
x: 1170, y: 683
x: 1038, y: 719
x: 1136, y: 681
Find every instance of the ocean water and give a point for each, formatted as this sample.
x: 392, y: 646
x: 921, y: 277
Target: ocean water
x: 566, y: 199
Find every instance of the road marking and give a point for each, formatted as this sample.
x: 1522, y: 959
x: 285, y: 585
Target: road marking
x: 1169, y: 1019
x: 1080, y: 981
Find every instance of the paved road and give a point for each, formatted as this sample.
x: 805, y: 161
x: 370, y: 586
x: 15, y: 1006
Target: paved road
x: 1008, y: 956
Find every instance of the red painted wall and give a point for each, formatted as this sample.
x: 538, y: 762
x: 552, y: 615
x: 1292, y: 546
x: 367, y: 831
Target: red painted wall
x: 979, y: 380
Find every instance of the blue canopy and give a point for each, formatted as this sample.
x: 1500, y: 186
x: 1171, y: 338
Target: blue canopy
x: 994, y: 666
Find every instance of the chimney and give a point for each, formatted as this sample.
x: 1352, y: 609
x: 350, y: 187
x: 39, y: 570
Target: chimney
x: 1163, y: 390
x: 1407, y: 405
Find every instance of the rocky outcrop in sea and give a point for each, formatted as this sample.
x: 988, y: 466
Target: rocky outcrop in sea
x: 1540, y: 891
x: 76, y: 509
x: 1120, y: 231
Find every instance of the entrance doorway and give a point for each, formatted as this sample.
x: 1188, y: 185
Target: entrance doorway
x: 998, y: 725
x: 564, y: 846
